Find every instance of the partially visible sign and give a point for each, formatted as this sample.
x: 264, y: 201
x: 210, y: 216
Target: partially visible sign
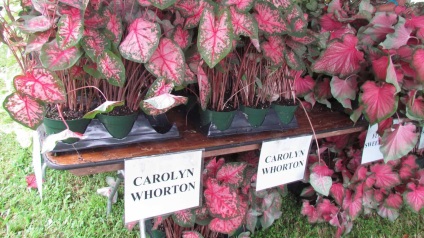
x: 282, y: 161
x: 421, y: 143
x: 36, y: 162
x: 372, y: 151
x: 162, y: 184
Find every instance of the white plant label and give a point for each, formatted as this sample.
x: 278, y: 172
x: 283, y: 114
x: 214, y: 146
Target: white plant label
x: 162, y: 184
x: 36, y: 162
x: 282, y: 161
x: 372, y: 151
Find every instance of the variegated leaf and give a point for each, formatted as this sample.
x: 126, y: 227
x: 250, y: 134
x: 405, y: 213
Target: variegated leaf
x: 244, y: 24
x: 41, y: 84
x: 187, y: 8
x: 194, y: 19
x: 36, y: 41
x: 69, y: 31
x: 162, y: 4
x: 80, y: 4
x: 215, y: 36
x: 241, y: 5
x: 112, y: 68
x: 141, y: 41
x: 168, y: 62
x: 24, y: 110
x: 221, y: 200
x: 105, y: 107
x: 269, y: 18
x: 54, y: 58
x: 204, y: 87
x: 36, y: 24
x: 94, y: 19
x: 50, y: 141
x: 160, y: 104
x: 273, y: 49
x: 95, y: 45
x: 159, y: 87
x: 114, y: 27
x: 232, y: 173
x: 182, y: 37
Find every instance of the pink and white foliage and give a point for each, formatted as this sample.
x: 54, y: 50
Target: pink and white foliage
x: 352, y: 204
x: 214, y: 40
x: 378, y: 101
x: 69, y: 31
x: 327, y: 209
x: 399, y: 142
x: 182, y: 37
x: 273, y: 49
x: 162, y: 4
x: 308, y: 192
x: 392, y: 76
x: 160, y: 104
x: 189, y: 76
x: 232, y: 173
x: 184, y: 218
x: 159, y: 87
x: 24, y: 110
x: 112, y: 68
x: 187, y: 7
x: 168, y: 62
x: 50, y: 141
x: 36, y: 24
x: 415, y: 106
x: 381, y: 25
x: 281, y: 4
x: 94, y: 45
x: 322, y: 184
x: 54, y: 58
x: 213, y: 166
x: 414, y: 196
x: 310, y: 211
x: 303, y: 85
x: 242, y: 6
x: 193, y: 20
x: 394, y: 200
x: 269, y: 18
x: 417, y: 59
x: 114, y: 27
x: 341, y: 58
x: 94, y: 19
x: 141, y: 41
x: 144, y: 3
x: 41, y: 84
x: 384, y: 176
x: 387, y: 212
x: 244, y: 24
x: 379, y: 67
x: 328, y: 23
x: 398, y: 38
x: 204, y: 87
x: 191, y: 234
x: 344, y: 89
x: 293, y: 60
x: 226, y: 226
x: 36, y: 41
x: 322, y: 91
x: 337, y: 191
x: 80, y: 4
x: 321, y: 169
x: 221, y: 200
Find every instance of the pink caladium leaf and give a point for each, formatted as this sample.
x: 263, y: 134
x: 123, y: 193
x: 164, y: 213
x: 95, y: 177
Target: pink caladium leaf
x: 337, y: 191
x: 41, y: 84
x: 232, y: 173
x: 213, y: 166
x: 244, y: 24
x: 36, y: 41
x: 221, y: 200
x: 388, y: 212
x: 269, y: 18
x: 191, y: 234
x: 321, y: 184
x: 391, y: 75
x: 112, y: 68
x: 308, y: 192
x: 309, y: 38
x: 322, y: 91
x: 50, y: 141
x: 69, y: 31
x: 105, y: 107
x: 24, y: 110
x: 321, y: 169
x: 417, y: 59
x: 94, y: 19
x: 379, y: 101
x: 273, y: 50
x: 379, y: 67
x: 193, y: 20
x: 184, y: 218
x: 414, y: 196
x: 415, y: 106
x: 204, y: 87
x: 162, y: 4
x: 189, y: 76
x: 327, y: 209
x: 226, y: 226
x: 303, y: 85
x: 282, y: 4
x: 309, y: 211
x: 167, y: 61
x: 394, y: 200
x: 344, y: 89
x: 144, y: 3
x: 95, y: 45
x: 298, y: 23
x: 35, y: 24
x: 384, y: 176
x: 215, y: 36
x: 114, y: 26
x: 91, y: 69
x: 293, y: 60
x: 352, y: 204
x: 141, y: 41
x: 182, y: 37
x: 398, y: 38
x: 80, y: 4
x: 54, y: 58
x: 31, y: 181
x: 159, y: 87
x: 187, y: 7
x: 381, y: 25
x: 242, y: 6
x: 400, y: 141
x: 341, y: 58
x: 328, y: 23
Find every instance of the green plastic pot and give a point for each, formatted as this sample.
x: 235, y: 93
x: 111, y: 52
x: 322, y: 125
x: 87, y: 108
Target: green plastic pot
x: 222, y: 120
x: 118, y: 126
x: 255, y: 116
x: 285, y: 113
x: 52, y: 126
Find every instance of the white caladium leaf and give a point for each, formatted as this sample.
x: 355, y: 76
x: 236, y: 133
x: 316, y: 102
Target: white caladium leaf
x: 51, y: 140
x: 322, y: 184
x: 162, y: 101
x: 141, y: 41
x: 105, y: 107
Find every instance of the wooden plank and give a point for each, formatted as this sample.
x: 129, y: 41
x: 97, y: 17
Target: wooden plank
x: 325, y: 123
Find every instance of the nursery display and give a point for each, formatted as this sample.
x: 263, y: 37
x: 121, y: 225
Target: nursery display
x: 249, y: 63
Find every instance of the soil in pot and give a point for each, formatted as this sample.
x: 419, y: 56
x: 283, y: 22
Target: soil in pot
x: 119, y: 121
x: 285, y: 110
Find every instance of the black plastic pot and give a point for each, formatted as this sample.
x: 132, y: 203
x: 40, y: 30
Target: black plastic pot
x: 118, y: 126
x: 160, y: 123
x: 222, y: 120
x: 255, y: 116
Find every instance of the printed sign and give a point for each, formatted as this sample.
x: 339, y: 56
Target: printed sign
x: 162, y: 184
x: 282, y: 161
x: 36, y: 162
x: 372, y: 151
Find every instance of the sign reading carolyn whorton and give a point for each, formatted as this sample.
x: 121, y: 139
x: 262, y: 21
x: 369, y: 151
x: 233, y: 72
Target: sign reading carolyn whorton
x: 162, y: 184
x: 282, y: 161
